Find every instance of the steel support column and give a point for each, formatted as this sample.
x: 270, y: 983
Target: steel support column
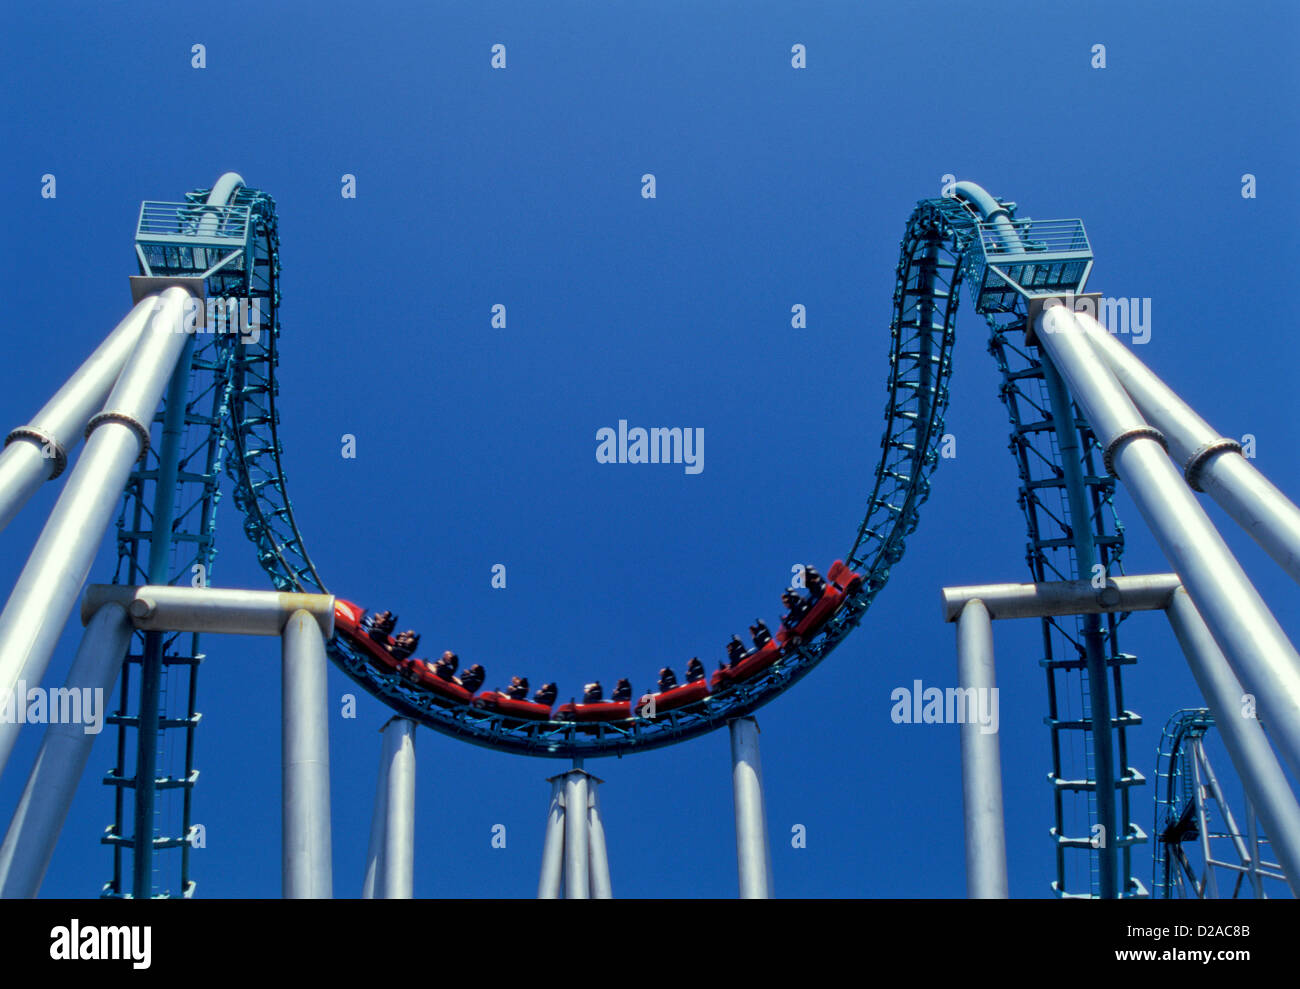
x: 600, y: 884
x: 1211, y: 463
x: 306, y: 788
x: 1261, y: 776
x: 151, y: 666
x: 577, y: 866
x: 1252, y: 641
x: 43, y: 808
x: 1085, y: 551
x: 399, y: 810
x: 34, y: 453
x: 549, y: 885
x: 751, y: 819
x: 981, y: 764
x: 49, y: 584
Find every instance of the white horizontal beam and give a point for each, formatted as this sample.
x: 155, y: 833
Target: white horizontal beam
x: 162, y: 608
x: 1146, y: 592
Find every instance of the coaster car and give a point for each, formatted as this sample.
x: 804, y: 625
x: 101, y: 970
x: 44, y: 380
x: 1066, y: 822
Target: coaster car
x: 493, y: 700
x: 600, y: 711
x: 754, y: 662
x: 670, y: 700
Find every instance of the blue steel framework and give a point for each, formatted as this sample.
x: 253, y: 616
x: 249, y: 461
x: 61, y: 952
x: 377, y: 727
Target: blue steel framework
x: 167, y: 526
x: 1174, y: 791
x: 1178, y: 816
x: 222, y: 407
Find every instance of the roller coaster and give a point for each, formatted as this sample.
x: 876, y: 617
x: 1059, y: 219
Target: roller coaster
x: 168, y: 415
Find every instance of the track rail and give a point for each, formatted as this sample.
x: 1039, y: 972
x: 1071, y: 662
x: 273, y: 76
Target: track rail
x: 941, y: 247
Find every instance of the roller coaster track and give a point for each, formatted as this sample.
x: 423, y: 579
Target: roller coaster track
x: 940, y: 248
x: 1192, y: 811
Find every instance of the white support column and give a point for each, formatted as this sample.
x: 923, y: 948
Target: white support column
x: 306, y: 790
x: 548, y: 887
x: 752, y: 855
x: 981, y: 765
x: 399, y: 810
x: 1264, y: 660
x: 1262, y: 777
x: 39, y: 451
x: 600, y: 884
x: 577, y: 865
x: 1211, y: 463
x: 47, y: 588
x: 43, y: 808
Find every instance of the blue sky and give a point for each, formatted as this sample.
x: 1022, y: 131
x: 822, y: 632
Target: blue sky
x: 476, y: 445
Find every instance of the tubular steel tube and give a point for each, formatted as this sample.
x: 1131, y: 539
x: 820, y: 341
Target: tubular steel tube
x: 58, y: 427
x: 981, y: 765
x: 751, y: 820
x: 548, y: 887
x: 600, y: 884
x: 306, y: 788
x: 576, y: 856
x: 43, y: 808
x: 210, y: 609
x: 1267, y: 515
x: 993, y: 211
x: 57, y: 567
x: 1144, y: 592
x: 1261, y: 776
x: 1252, y: 641
x: 399, y: 810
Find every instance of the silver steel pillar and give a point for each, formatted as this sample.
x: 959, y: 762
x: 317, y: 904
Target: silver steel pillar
x: 43, y: 808
x: 39, y: 451
x: 57, y: 567
x: 306, y: 791
x: 981, y: 763
x: 600, y: 884
x: 399, y: 810
x: 751, y: 818
x: 1261, y: 776
x: 548, y: 887
x: 1211, y: 463
x: 577, y: 872
x: 1260, y: 654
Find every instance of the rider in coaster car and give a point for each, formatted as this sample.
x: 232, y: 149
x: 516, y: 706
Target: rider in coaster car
x: 518, y: 689
x: 445, y: 667
x: 694, y: 670
x: 404, y: 644
x: 735, y: 650
x: 667, y: 679
x: 546, y: 695
x: 760, y: 633
x: 472, y: 678
x: 813, y: 581
x: 593, y: 693
x: 622, y: 691
x: 379, y: 626
x: 796, y: 607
